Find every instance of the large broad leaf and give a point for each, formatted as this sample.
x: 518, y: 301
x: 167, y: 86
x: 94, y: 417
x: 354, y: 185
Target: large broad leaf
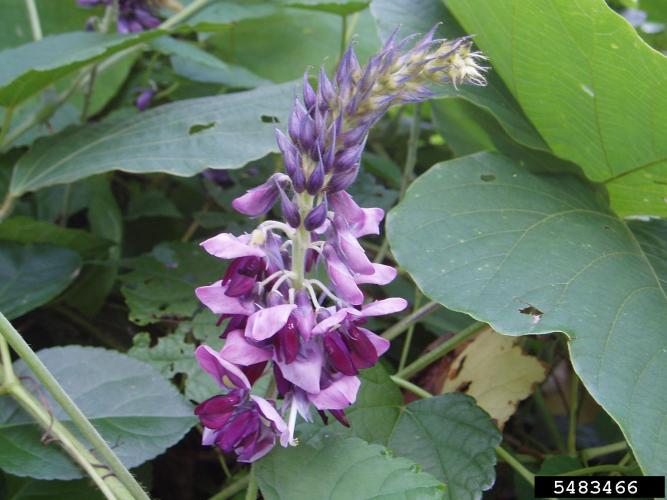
x: 29, y: 68
x: 32, y: 275
x: 589, y: 84
x: 198, y: 65
x: 182, y: 138
x: 162, y: 284
x: 130, y: 403
x: 412, y: 17
x: 449, y: 436
x: 342, y: 469
x: 340, y: 7
x: 531, y: 254
x: 292, y: 40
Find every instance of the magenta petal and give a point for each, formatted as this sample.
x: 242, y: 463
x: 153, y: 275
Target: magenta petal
x: 209, y: 436
x: 383, y: 274
x: 338, y: 396
x: 269, y: 412
x: 381, y: 344
x: 266, y: 322
x: 213, y: 296
x: 353, y: 254
x: 258, y: 449
x: 334, y: 320
x: 382, y: 307
x: 228, y: 246
x: 343, y: 282
x: 362, y: 221
x: 222, y: 371
x: 370, y: 223
x: 306, y: 370
x: 240, y: 351
x: 214, y: 412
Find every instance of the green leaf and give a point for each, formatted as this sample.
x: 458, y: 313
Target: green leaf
x: 340, y: 7
x: 449, y: 436
x: 595, y: 98
x: 23, y: 229
x: 132, y: 406
x: 34, y: 66
x: 32, y: 275
x: 341, y: 469
x: 24, y: 488
x: 55, y: 17
x: 419, y: 16
x: 182, y: 138
x: 191, y: 62
x: 291, y: 40
x: 162, y: 284
x: 223, y: 12
x: 531, y: 254
x: 152, y: 203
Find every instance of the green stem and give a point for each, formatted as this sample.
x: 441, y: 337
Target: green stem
x: 6, y: 362
x: 597, y: 469
x: 184, y: 14
x: 301, y: 241
x: 84, y: 426
x: 107, y: 483
x: 507, y: 457
x: 35, y: 25
x: 572, y: 421
x: 408, y: 336
x: 232, y: 489
x: 88, y: 95
x: 441, y: 350
x: 600, y: 451
x: 549, y: 421
x: 415, y: 389
x: 416, y: 316
x: 251, y: 492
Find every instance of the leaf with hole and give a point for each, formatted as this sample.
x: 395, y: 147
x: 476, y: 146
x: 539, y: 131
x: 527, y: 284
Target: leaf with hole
x: 161, y: 139
x: 537, y: 254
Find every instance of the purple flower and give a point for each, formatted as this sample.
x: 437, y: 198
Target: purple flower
x: 144, y: 99
x: 312, y: 336
x: 133, y: 15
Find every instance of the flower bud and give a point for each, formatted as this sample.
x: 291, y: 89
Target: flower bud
x: 316, y: 217
x: 290, y: 210
x: 316, y: 179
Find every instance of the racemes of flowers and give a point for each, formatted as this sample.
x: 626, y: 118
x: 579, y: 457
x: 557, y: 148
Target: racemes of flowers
x: 135, y: 15
x: 309, y: 334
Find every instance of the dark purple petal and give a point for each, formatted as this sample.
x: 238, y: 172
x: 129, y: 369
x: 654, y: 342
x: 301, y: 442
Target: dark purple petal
x: 316, y: 179
x: 316, y: 216
x: 214, y: 412
x: 290, y: 210
x: 338, y: 354
x: 362, y: 350
x: 340, y: 416
x: 286, y: 342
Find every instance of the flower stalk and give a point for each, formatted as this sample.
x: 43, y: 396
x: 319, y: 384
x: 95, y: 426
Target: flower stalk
x: 277, y: 317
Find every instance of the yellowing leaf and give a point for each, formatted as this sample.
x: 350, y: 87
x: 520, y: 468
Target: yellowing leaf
x: 496, y: 372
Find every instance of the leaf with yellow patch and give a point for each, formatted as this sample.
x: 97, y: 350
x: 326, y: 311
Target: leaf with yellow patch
x: 496, y: 372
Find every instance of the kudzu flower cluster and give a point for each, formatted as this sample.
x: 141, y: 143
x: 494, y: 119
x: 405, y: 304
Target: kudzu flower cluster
x: 135, y: 15
x: 311, y: 334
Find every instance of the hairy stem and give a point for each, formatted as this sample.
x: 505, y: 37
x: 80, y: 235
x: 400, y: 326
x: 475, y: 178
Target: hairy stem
x: 84, y: 426
x: 441, y: 350
x: 301, y: 241
x: 414, y: 317
x: 549, y: 421
x: 251, y: 492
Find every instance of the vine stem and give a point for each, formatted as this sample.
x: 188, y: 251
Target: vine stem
x: 416, y: 316
x: 232, y: 489
x: 572, y: 421
x: 41, y: 372
x: 413, y: 388
x: 549, y: 421
x: 184, y: 14
x: 507, y: 457
x: 35, y: 24
x: 408, y: 337
x: 598, y: 468
x: 441, y: 350
x: 600, y: 451
x: 251, y: 492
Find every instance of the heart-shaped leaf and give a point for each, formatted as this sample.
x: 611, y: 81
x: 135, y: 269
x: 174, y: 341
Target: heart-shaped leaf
x: 537, y: 254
